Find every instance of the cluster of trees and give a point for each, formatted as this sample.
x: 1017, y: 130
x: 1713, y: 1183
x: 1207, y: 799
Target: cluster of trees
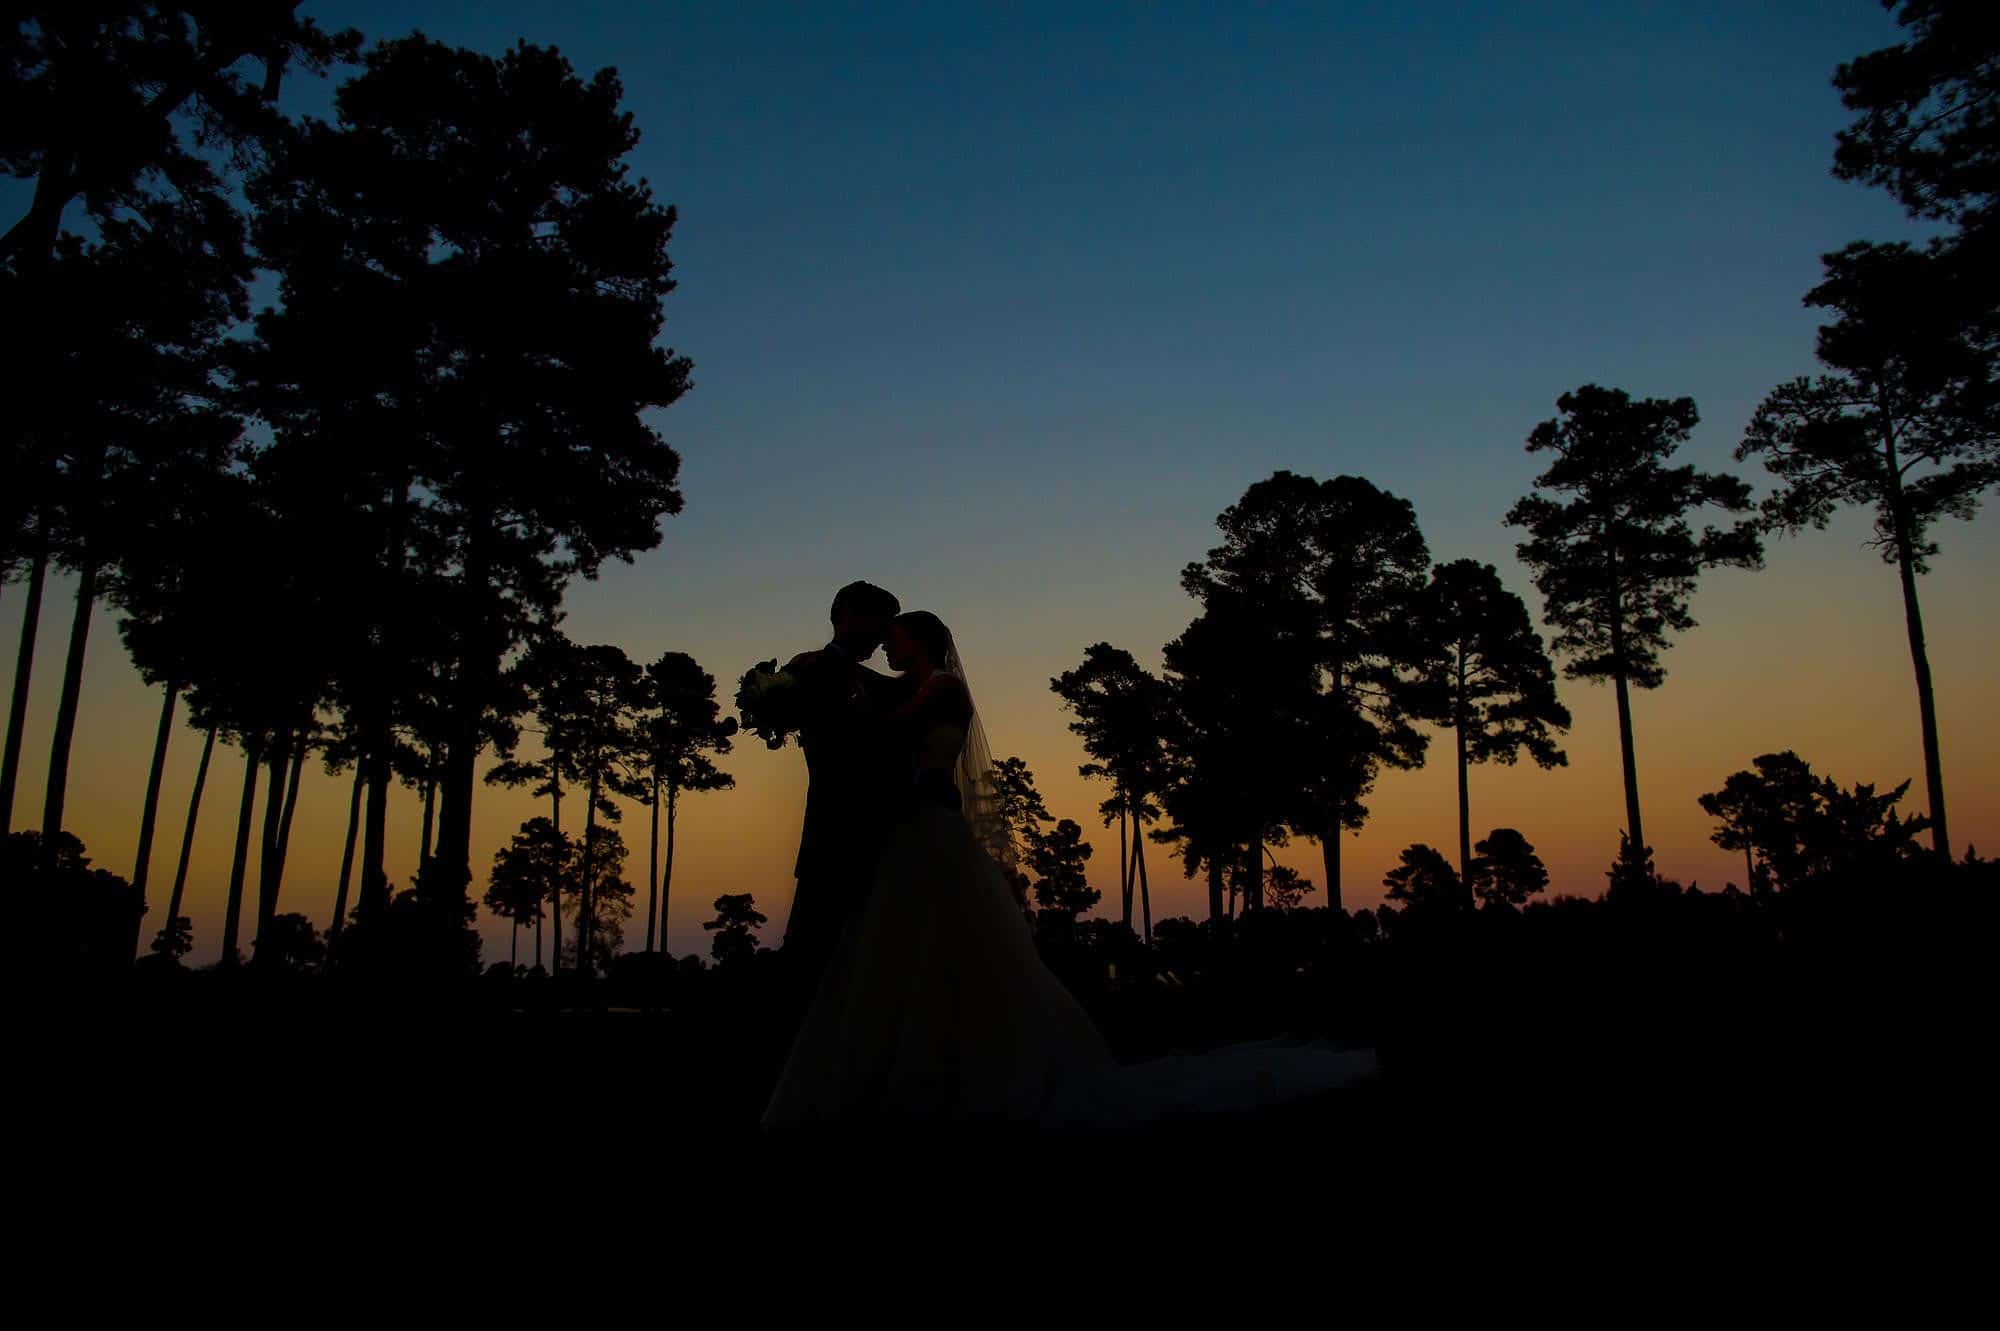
x: 1327, y: 640
x: 608, y: 728
x: 1795, y: 828
x: 337, y: 530
x: 1045, y: 856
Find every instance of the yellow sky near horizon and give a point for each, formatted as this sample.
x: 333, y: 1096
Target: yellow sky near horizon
x: 1736, y: 688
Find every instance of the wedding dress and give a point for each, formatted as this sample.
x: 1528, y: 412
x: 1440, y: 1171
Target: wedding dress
x: 936, y: 1006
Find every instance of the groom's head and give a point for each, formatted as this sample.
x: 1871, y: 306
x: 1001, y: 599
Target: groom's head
x: 861, y: 615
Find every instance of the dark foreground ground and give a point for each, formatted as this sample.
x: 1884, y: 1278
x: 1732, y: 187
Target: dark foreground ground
x: 1868, y: 1060
x: 1585, y: 1099
x: 1666, y: 1051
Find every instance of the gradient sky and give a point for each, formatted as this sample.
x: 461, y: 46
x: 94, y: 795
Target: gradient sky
x: 1000, y: 306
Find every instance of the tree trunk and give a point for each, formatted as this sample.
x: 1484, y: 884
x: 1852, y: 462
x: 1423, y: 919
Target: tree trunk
x: 1631, y: 763
x: 667, y: 869
x: 653, y: 866
x: 1253, y: 877
x: 72, y: 697
x: 586, y: 922
x: 513, y: 945
x: 555, y: 886
x: 233, y: 912
x: 187, y: 832
x: 1215, y: 907
x: 1145, y: 889
x: 452, y: 849
x: 150, y: 812
x: 1459, y: 718
x: 1132, y: 868
x: 346, y: 857
x: 1124, y: 869
x: 291, y: 806
x: 478, y: 664
x: 430, y: 806
x: 374, y: 897
x: 377, y: 730
x: 280, y: 763
x: 1329, y: 846
x: 33, y: 236
x: 1920, y: 662
x: 1329, y: 854
x: 24, y: 666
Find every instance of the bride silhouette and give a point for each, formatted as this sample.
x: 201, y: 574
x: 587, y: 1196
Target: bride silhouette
x: 935, y: 1005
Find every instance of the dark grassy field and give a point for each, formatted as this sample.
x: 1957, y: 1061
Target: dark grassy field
x: 1728, y: 1062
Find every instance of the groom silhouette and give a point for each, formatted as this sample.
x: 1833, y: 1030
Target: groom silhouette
x: 850, y: 766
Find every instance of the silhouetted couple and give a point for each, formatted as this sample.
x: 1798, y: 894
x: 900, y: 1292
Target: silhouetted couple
x: 928, y: 1000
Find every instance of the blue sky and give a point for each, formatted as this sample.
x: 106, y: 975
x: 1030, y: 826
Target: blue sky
x: 1022, y: 267
x: 1092, y: 237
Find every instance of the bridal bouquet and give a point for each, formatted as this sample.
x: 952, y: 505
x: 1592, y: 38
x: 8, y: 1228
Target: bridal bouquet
x: 770, y: 702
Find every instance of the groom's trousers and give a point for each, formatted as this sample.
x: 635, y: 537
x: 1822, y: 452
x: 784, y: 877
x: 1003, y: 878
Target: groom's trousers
x: 821, y: 908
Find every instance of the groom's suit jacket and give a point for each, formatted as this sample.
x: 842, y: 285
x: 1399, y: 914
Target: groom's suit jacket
x: 853, y: 771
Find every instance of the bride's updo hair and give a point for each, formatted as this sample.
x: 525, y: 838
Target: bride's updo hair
x: 928, y: 631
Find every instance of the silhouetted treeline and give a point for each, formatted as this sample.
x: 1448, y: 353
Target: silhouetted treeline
x: 337, y: 531
x: 1859, y: 981
x: 340, y: 532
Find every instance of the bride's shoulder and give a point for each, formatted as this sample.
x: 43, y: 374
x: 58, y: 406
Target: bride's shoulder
x: 946, y: 699
x: 942, y: 682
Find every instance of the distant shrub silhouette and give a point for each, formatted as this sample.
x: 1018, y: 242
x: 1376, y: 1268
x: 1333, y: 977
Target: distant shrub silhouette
x: 1795, y: 827
x: 175, y: 940
x: 1424, y: 881
x: 735, y: 927
x: 288, y: 942
x: 91, y: 911
x: 1505, y: 869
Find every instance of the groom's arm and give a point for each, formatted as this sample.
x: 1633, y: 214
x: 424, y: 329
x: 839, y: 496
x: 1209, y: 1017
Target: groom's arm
x: 810, y: 667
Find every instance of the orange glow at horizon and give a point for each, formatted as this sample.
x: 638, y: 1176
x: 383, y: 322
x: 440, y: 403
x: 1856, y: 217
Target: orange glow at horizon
x: 1736, y: 688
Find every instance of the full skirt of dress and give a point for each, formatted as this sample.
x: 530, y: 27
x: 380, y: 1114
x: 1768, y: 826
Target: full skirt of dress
x: 936, y: 1007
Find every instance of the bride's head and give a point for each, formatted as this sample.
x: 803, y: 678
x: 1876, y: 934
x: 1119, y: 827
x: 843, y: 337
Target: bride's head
x: 916, y: 639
